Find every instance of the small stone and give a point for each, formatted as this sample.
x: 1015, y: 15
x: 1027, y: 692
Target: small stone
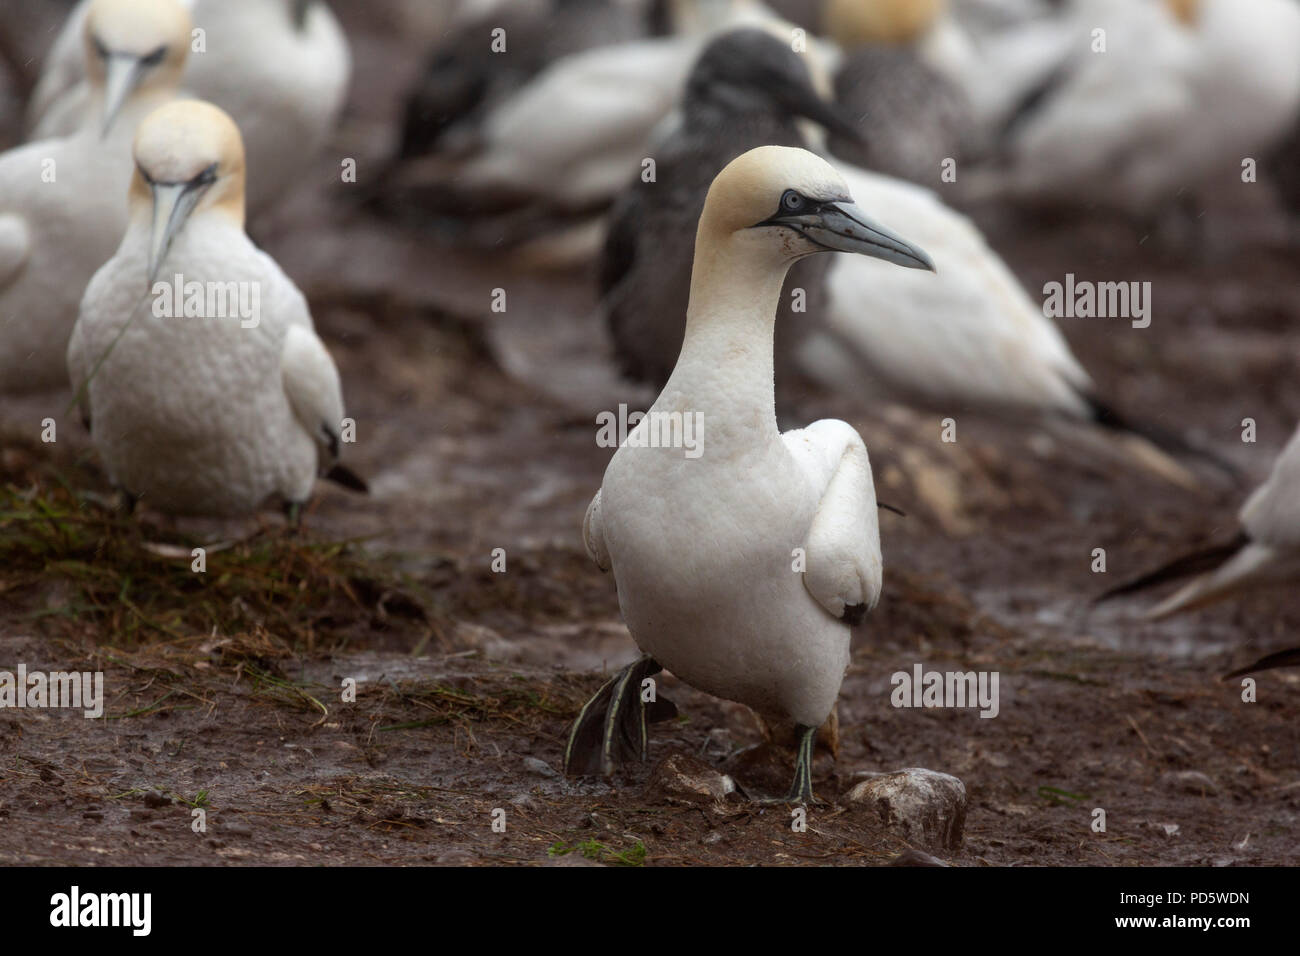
x: 236, y: 829
x: 156, y: 798
x: 1189, y: 781
x: 682, y: 777
x: 926, y: 806
x: 1168, y: 829
x: 525, y: 801
x: 914, y: 857
x: 540, y: 767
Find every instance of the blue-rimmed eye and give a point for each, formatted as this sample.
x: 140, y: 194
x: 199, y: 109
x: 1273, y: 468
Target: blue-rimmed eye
x: 154, y: 58
x: 791, y: 201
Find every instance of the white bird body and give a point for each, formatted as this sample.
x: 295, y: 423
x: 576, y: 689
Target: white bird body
x: 1168, y: 106
x: 285, y: 86
x: 708, y: 549
x: 968, y: 336
x: 210, y: 414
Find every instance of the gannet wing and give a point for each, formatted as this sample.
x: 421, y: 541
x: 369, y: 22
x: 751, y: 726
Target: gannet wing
x: 64, y: 67
x: 593, y: 535
x: 79, y: 368
x: 311, y: 382
x: 843, y: 564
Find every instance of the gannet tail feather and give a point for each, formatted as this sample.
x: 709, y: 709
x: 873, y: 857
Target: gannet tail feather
x: 1197, y: 562
x: 612, y: 727
x: 347, y: 478
x: 1108, y: 417
x: 1287, y: 658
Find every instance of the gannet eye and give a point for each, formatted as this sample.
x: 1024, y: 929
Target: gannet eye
x: 154, y: 58
x: 207, y: 177
x: 100, y: 50
x: 791, y: 201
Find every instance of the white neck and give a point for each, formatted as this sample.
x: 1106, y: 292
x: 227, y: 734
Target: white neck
x: 725, y: 369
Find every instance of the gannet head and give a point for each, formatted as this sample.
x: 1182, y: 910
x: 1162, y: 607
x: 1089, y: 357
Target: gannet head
x: 189, y: 157
x: 1186, y: 12
x: 133, y: 45
x: 751, y: 70
x: 856, y: 22
x: 790, y: 204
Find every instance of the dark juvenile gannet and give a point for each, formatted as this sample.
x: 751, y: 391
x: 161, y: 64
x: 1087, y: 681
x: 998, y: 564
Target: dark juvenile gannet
x: 747, y: 89
x: 63, y: 201
x: 1266, y: 549
x: 281, y: 68
x: 203, y: 410
x: 706, y: 548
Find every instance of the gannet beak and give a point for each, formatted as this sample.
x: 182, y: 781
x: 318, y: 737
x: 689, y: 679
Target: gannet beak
x: 123, y: 75
x: 173, y: 203
x: 844, y: 227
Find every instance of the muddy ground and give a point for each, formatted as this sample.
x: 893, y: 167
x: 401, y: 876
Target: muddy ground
x: 223, y: 691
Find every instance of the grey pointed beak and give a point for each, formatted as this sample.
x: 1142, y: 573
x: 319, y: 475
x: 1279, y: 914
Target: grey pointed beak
x: 844, y: 227
x: 122, y: 76
x: 173, y: 203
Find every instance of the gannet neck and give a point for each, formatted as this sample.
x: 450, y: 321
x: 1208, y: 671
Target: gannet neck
x: 726, y: 366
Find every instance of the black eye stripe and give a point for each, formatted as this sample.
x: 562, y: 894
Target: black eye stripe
x: 156, y: 57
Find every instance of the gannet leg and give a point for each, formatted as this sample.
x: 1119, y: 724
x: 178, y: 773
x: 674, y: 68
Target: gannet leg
x: 801, y: 790
x: 613, y: 726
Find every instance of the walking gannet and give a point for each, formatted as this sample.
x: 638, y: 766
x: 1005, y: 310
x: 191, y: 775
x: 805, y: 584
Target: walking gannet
x: 1266, y: 549
x: 1183, y: 93
x: 747, y: 89
x: 207, y: 392
x: 63, y: 201
x: 741, y: 565
x: 280, y: 67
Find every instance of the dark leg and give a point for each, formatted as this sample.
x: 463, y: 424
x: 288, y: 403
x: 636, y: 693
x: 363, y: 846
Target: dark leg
x: 613, y: 726
x: 293, y: 515
x: 801, y: 790
x: 126, y: 501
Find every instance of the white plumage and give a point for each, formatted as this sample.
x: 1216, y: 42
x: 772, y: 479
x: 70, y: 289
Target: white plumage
x: 210, y: 414
x: 283, y: 80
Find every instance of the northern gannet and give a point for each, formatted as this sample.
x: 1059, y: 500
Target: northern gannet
x: 63, y: 201
x: 706, y: 549
x: 1185, y: 90
x: 215, y: 408
x: 280, y: 67
x: 747, y: 89
x: 1265, y: 550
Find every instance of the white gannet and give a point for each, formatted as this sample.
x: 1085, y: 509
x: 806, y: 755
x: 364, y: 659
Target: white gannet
x: 706, y: 546
x: 747, y: 89
x: 1183, y: 92
x: 212, y: 401
x: 280, y: 67
x: 63, y: 201
x: 1266, y: 549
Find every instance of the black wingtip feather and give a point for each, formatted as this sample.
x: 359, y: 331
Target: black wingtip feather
x: 346, y: 478
x: 1287, y: 658
x: 1197, y: 562
x: 1107, y: 416
x: 854, y: 614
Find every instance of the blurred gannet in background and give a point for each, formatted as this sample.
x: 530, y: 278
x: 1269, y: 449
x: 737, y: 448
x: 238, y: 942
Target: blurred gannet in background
x: 466, y: 76
x: 747, y: 89
x: 568, y: 141
x: 1184, y: 91
x: 1266, y: 549
x: 280, y: 67
x: 703, y: 546
x: 208, y: 414
x: 63, y: 201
